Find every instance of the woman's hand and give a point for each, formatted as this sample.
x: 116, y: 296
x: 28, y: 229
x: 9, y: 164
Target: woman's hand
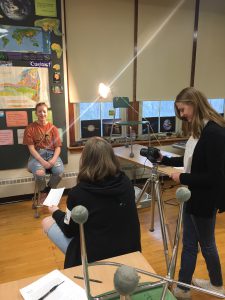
x: 176, y: 177
x: 46, y: 165
x: 52, y: 162
x: 52, y: 209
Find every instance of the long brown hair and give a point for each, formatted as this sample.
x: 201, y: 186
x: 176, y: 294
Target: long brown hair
x: 202, y: 110
x: 98, y: 161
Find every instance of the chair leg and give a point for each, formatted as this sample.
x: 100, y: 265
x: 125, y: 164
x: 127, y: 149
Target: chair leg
x: 35, y: 201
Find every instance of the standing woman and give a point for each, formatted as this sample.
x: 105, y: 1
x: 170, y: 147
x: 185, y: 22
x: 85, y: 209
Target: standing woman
x: 44, y: 144
x: 112, y: 227
x: 204, y: 174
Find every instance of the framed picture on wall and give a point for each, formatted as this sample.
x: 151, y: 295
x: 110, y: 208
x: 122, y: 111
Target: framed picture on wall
x: 167, y: 124
x: 90, y: 128
x: 154, y: 125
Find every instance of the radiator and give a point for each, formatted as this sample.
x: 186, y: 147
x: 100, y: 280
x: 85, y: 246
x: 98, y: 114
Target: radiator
x: 25, y: 185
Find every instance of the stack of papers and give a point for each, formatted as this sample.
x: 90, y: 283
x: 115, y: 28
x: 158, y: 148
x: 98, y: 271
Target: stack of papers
x: 53, y: 197
x: 66, y: 289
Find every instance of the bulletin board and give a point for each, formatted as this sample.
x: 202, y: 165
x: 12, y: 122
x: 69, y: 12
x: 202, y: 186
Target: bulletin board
x: 31, y: 71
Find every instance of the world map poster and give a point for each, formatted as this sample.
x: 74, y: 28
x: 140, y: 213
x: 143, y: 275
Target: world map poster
x: 23, y: 87
x: 24, y: 39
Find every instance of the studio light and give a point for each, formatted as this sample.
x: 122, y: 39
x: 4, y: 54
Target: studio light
x: 103, y: 90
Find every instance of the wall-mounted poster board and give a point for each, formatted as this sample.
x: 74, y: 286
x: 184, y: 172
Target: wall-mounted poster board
x: 31, y: 71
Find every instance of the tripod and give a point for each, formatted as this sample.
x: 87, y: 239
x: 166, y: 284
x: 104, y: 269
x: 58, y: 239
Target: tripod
x: 153, y: 181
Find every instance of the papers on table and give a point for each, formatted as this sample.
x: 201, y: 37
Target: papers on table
x: 68, y: 290
x: 180, y: 169
x: 53, y: 197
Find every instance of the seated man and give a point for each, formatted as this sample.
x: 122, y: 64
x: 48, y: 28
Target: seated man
x: 44, y: 144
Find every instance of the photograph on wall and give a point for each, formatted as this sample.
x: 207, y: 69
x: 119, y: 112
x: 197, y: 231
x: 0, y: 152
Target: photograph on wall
x: 24, y: 39
x: 154, y: 125
x: 90, y: 128
x: 23, y: 87
x: 16, y: 10
x: 167, y: 124
x: 57, y: 89
x: 56, y: 77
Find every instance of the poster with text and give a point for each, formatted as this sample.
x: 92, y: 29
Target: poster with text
x: 23, y: 87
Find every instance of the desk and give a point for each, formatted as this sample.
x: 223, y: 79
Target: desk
x: 123, y: 153
x: 10, y: 290
x: 180, y: 145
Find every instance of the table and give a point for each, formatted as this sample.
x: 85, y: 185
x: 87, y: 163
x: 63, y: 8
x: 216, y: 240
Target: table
x: 123, y: 153
x: 10, y: 290
x: 180, y: 145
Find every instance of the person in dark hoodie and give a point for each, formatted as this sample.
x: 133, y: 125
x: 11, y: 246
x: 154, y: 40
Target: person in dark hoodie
x: 112, y: 227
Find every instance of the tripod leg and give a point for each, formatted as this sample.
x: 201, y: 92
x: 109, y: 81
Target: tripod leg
x: 162, y: 223
x: 152, y: 206
x: 140, y: 195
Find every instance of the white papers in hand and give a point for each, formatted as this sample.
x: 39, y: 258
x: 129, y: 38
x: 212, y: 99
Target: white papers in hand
x: 53, y: 197
x: 68, y: 290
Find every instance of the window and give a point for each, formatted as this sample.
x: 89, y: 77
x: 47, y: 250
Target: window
x: 96, y: 119
x: 218, y: 105
x: 160, y: 114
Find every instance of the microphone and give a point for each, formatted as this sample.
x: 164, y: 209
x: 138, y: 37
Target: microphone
x: 125, y: 281
x: 183, y: 194
x: 79, y: 215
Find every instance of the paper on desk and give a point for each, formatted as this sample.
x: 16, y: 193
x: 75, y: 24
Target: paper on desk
x: 181, y: 169
x: 53, y: 197
x: 68, y: 290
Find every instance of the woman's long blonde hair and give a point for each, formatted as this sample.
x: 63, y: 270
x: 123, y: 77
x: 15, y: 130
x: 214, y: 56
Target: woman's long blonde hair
x: 202, y: 110
x: 98, y: 161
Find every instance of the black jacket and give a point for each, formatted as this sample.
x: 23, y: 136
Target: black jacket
x: 207, y: 178
x: 112, y: 227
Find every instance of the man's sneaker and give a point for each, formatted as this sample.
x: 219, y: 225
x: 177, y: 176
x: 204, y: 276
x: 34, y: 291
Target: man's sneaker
x: 207, y: 285
x: 181, y: 294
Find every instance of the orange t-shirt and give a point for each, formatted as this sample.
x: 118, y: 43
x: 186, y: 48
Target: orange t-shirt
x: 42, y: 136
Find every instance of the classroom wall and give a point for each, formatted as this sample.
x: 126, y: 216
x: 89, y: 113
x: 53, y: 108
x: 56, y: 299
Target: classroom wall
x: 206, y: 13
x: 14, y: 177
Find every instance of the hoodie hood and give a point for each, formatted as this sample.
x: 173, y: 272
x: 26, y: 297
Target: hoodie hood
x: 110, y: 187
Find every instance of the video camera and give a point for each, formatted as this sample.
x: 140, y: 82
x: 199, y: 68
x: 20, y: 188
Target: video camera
x: 150, y: 153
